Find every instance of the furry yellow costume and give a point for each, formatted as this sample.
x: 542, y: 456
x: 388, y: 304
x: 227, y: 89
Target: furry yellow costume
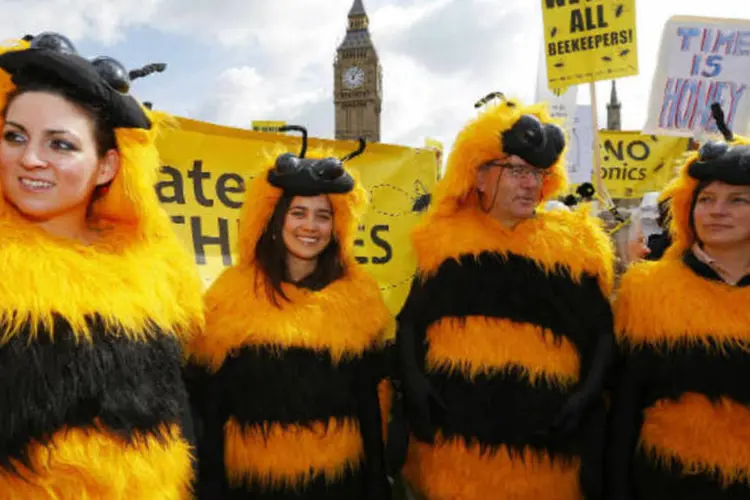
x: 92, y: 404
x: 289, y: 394
x: 504, y: 326
x: 681, y: 416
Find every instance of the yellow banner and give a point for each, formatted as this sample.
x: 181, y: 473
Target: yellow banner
x: 589, y: 40
x: 635, y: 163
x: 202, y: 181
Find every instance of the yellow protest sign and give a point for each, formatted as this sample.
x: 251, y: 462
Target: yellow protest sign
x: 635, y: 163
x: 267, y: 126
x: 589, y: 40
x: 202, y: 182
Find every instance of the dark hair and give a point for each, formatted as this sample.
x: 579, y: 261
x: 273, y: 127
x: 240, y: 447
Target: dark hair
x: 270, y: 256
x: 691, y: 220
x: 104, y: 134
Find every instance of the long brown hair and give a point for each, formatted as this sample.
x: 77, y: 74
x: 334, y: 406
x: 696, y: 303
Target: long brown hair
x: 270, y: 257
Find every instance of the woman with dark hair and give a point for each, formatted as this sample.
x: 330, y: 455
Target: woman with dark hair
x: 97, y: 296
x: 286, y: 373
x: 681, y: 414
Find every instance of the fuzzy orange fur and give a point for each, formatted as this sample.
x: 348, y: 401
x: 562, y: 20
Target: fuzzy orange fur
x: 453, y: 470
x: 289, y: 456
x: 481, y: 141
x: 478, y: 345
x: 574, y: 240
x: 81, y: 465
x: 681, y: 190
x: 344, y: 318
x: 711, y: 308
x: 703, y: 437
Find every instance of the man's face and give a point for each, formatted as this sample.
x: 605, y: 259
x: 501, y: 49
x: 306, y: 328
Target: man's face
x: 511, y: 189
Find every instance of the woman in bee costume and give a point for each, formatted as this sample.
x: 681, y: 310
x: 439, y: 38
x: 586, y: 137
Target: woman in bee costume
x: 97, y: 294
x: 681, y: 415
x: 291, y: 353
x: 507, y: 330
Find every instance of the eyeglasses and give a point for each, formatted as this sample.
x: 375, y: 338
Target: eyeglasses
x: 519, y: 171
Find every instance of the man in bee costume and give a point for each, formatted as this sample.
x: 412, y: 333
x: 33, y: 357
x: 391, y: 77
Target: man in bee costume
x: 681, y: 418
x: 289, y: 388
x: 92, y: 404
x: 505, y: 336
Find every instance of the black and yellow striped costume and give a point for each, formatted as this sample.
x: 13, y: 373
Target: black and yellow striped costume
x: 92, y: 402
x: 504, y: 323
x: 682, y: 415
x: 289, y: 394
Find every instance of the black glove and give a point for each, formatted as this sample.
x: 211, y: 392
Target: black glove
x: 574, y: 410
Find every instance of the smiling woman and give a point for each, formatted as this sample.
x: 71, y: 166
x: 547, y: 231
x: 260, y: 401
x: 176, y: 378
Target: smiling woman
x: 286, y: 374
x: 98, y: 294
x: 53, y: 157
x: 298, y: 245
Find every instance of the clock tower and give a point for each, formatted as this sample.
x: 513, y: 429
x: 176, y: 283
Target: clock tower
x: 358, y: 81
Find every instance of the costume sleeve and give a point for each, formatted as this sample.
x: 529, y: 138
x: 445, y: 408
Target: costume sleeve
x: 597, y: 359
x: 413, y: 396
x: 626, y: 420
x: 205, y: 400
x: 371, y: 423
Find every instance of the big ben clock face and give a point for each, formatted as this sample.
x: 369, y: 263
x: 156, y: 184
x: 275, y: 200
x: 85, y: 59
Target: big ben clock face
x: 354, y: 77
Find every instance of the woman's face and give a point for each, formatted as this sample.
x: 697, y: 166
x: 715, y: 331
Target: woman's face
x: 49, y: 164
x: 308, y: 226
x: 722, y: 215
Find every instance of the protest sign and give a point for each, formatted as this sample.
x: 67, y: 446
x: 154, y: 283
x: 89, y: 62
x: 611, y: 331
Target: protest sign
x: 589, y: 40
x: 701, y: 61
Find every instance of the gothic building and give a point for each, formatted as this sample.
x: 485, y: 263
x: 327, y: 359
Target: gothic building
x: 358, y: 81
x: 613, y: 110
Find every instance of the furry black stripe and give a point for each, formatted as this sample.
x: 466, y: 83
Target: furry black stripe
x: 290, y: 386
x: 478, y: 411
x: 351, y: 486
x: 653, y: 482
x: 129, y: 387
x: 712, y: 370
x: 515, y: 288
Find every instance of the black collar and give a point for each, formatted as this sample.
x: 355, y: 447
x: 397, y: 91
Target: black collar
x: 705, y: 271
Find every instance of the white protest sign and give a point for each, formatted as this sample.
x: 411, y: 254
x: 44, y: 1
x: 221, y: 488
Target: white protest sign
x: 701, y: 61
x: 581, y: 147
x: 562, y: 106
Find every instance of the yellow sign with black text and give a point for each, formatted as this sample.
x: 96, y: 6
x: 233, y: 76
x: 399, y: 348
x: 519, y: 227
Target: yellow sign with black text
x: 589, y: 40
x: 202, y: 183
x: 267, y: 126
x: 634, y: 163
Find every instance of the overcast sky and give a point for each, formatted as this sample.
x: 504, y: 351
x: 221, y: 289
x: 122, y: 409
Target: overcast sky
x: 234, y: 61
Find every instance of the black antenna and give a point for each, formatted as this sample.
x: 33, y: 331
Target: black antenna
x: 721, y: 124
x: 359, y: 151
x: 484, y: 100
x: 146, y: 70
x: 297, y: 128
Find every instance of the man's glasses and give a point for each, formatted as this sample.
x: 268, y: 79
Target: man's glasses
x: 519, y: 171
